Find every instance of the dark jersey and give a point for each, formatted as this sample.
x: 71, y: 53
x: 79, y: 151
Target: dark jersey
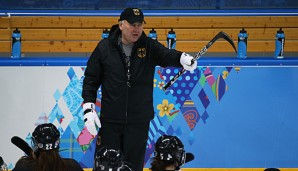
x: 28, y: 165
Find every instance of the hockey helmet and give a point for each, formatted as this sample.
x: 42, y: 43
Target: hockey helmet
x: 46, y: 137
x: 109, y: 159
x: 170, y: 149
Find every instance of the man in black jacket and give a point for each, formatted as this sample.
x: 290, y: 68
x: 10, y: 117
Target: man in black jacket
x: 124, y: 66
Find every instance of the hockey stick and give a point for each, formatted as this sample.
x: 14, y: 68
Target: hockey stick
x: 22, y: 144
x: 219, y: 35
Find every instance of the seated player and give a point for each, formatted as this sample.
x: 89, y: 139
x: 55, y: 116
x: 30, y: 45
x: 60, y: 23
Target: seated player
x: 109, y: 159
x: 169, y: 154
x: 45, y: 154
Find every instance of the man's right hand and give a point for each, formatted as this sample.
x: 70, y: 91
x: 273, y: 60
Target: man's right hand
x: 91, y: 118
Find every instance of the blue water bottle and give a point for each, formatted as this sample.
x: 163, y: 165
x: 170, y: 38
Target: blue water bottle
x: 152, y: 34
x: 16, y: 44
x: 279, y: 44
x: 242, y: 44
x: 171, y: 39
x: 105, y: 34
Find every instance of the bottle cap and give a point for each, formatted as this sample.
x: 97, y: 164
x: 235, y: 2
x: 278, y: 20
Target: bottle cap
x: 106, y: 31
x: 243, y: 31
x: 171, y: 31
x: 280, y: 31
x: 152, y: 31
x: 16, y: 31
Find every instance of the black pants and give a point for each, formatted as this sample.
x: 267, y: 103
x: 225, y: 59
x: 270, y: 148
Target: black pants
x: 131, y: 139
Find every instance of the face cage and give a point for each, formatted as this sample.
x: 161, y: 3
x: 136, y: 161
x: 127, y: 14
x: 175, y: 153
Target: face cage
x: 178, y: 156
x: 124, y: 167
x: 107, y: 164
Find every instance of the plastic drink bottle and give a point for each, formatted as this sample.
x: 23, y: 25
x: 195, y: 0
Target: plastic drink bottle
x: 105, y: 34
x: 171, y: 39
x: 242, y: 44
x: 152, y: 34
x: 16, y: 44
x: 279, y: 44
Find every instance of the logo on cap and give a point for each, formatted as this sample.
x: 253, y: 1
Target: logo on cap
x: 132, y: 15
x: 136, y: 11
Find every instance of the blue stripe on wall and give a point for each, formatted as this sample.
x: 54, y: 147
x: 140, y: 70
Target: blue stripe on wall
x: 204, y: 61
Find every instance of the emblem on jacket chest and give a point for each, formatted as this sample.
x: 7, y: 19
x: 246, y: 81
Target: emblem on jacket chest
x: 141, y: 52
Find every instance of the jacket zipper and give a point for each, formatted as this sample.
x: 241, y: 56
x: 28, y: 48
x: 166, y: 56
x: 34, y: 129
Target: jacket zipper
x: 126, y: 100
x: 126, y: 104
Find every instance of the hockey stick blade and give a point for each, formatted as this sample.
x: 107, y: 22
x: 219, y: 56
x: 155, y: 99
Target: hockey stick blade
x: 21, y: 144
x: 227, y: 38
x: 219, y: 35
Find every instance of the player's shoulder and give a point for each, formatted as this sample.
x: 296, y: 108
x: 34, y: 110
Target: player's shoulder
x: 24, y: 164
x: 72, y: 164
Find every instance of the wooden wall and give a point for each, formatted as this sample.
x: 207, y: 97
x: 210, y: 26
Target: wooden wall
x: 82, y: 33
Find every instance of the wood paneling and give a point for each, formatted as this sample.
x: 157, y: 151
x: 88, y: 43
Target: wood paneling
x: 81, y: 33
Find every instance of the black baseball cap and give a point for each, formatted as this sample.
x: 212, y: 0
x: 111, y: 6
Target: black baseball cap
x: 132, y: 15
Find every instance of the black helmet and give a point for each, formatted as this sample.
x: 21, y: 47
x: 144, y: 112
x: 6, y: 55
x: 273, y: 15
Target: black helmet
x: 46, y: 137
x: 109, y: 159
x: 170, y: 148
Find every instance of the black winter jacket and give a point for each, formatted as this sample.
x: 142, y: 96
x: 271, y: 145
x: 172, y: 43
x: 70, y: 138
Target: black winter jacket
x: 106, y: 68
